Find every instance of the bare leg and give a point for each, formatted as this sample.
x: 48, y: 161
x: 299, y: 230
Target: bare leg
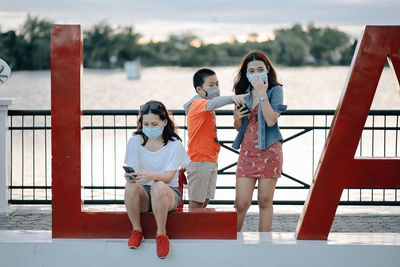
x: 206, y: 203
x: 244, y: 194
x: 266, y: 189
x: 196, y: 204
x: 136, y: 201
x: 162, y: 201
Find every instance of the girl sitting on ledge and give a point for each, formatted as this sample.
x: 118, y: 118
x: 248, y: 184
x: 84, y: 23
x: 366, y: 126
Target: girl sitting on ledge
x: 156, y: 153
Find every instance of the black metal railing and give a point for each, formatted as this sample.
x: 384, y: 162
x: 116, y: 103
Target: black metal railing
x: 105, y: 134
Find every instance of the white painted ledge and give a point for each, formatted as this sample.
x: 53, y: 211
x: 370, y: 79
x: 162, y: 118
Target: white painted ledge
x: 250, y: 249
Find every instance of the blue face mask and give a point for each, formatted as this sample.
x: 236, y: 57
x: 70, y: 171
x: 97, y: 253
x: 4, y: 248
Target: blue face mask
x: 152, y: 133
x: 251, y: 77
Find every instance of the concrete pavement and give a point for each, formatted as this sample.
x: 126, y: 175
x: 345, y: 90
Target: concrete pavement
x: 40, y: 219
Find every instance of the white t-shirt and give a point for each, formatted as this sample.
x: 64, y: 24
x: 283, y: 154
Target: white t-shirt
x: 170, y: 157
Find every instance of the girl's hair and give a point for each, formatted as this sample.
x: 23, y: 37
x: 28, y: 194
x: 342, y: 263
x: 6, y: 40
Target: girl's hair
x: 242, y: 83
x: 157, y: 108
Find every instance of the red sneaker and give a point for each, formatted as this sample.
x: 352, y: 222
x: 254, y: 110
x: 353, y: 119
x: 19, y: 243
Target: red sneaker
x: 162, y: 246
x: 136, y: 239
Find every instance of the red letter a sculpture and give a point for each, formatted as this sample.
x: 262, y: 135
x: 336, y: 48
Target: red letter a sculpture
x: 337, y: 168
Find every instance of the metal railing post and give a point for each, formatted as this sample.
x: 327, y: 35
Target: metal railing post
x: 4, y: 155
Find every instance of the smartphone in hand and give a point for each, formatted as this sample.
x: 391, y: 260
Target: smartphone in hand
x: 245, y: 108
x: 129, y: 169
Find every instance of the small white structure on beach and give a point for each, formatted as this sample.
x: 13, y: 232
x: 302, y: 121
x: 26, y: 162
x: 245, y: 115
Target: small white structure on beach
x: 132, y: 69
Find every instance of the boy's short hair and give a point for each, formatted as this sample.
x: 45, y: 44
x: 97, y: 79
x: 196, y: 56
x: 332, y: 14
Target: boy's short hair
x: 200, y: 75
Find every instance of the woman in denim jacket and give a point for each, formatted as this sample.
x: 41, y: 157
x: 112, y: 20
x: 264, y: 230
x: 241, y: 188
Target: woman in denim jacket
x: 259, y: 138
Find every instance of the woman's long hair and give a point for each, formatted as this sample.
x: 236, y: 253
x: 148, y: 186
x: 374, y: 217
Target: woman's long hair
x: 242, y: 83
x: 157, y: 108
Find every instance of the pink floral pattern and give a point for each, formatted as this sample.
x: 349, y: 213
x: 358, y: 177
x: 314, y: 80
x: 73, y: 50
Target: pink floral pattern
x: 255, y: 163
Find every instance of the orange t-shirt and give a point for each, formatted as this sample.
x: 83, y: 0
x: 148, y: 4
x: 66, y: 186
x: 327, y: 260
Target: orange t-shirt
x: 203, y: 142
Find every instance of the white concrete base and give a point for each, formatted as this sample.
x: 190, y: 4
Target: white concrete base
x: 37, y: 248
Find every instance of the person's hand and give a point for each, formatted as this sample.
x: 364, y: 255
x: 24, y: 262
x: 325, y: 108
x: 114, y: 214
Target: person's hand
x: 130, y: 177
x: 240, y: 112
x: 142, y: 177
x: 259, y: 86
x: 239, y: 99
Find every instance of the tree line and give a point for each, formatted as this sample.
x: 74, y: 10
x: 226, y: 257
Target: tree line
x: 110, y: 47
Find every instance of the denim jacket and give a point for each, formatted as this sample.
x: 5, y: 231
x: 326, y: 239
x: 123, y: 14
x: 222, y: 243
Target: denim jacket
x: 266, y: 135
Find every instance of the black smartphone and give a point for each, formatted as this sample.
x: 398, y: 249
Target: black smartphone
x: 129, y: 169
x: 245, y: 108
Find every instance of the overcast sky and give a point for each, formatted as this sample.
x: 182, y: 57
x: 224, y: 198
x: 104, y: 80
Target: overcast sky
x: 211, y: 20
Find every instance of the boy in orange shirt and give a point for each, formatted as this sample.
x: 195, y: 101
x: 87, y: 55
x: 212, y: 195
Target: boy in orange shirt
x: 203, y: 146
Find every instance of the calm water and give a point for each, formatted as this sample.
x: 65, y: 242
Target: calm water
x: 304, y: 88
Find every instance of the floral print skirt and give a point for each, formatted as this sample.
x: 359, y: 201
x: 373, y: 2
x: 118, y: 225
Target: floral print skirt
x: 256, y: 163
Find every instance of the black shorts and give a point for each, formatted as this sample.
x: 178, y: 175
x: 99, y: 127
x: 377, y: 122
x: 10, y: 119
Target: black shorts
x: 177, y: 195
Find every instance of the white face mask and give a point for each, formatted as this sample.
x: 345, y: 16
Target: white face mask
x: 212, y: 92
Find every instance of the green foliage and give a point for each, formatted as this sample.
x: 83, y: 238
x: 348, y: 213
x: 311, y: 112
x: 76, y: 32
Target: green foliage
x: 327, y: 44
x: 290, y: 45
x: 109, y: 47
x: 31, y: 48
x: 347, y: 54
x: 97, y: 46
